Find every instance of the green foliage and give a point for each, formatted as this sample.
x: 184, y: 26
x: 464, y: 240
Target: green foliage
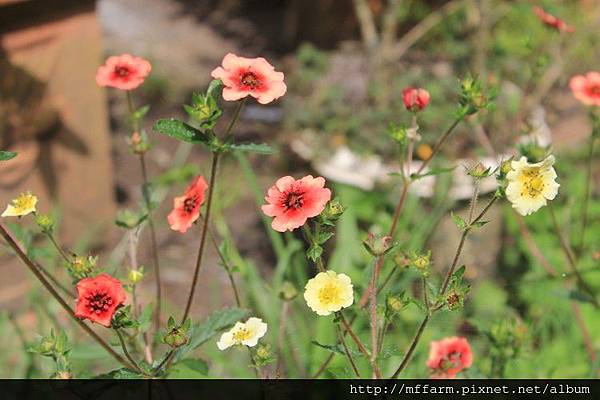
x: 7, y: 155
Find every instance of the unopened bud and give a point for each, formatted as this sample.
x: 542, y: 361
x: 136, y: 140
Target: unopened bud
x: 175, y: 338
x: 377, y: 245
x: 395, y: 303
x: 135, y: 276
x: 45, y: 222
x: 333, y: 210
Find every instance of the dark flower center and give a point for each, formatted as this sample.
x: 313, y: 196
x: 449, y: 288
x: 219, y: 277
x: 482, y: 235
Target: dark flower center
x: 189, y: 204
x: 250, y: 79
x: 122, y: 71
x: 98, y: 302
x: 452, y: 360
x: 595, y: 90
x: 294, y: 200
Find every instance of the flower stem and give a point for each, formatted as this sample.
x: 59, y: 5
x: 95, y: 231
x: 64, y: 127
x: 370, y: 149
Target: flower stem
x: 438, y: 145
x: 27, y: 261
x: 125, y: 351
x: 58, y: 248
x: 571, y: 258
x: 236, y: 115
x: 154, y: 245
x: 360, y: 345
x: 347, y: 352
x: 373, y: 310
x: 586, y: 195
x: 426, y: 319
x: 211, y: 190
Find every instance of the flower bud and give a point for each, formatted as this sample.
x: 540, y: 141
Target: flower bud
x: 421, y: 261
x: 506, y: 167
x: 47, y: 345
x: 333, y: 210
x: 263, y: 351
x: 138, y: 143
x: 82, y: 267
x: 45, y: 222
x: 377, y: 245
x: 288, y: 291
x: 415, y: 99
x: 479, y: 171
x: 135, y: 276
x: 454, y: 300
x: 175, y: 338
x: 395, y: 303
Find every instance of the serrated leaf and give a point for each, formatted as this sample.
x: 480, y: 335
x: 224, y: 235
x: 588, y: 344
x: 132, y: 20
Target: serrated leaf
x: 459, y: 273
x: 314, y: 252
x: 204, y: 331
x: 459, y: 222
x: 7, y: 155
x: 181, y: 131
x: 324, y: 237
x: 261, y: 148
x: 213, y: 86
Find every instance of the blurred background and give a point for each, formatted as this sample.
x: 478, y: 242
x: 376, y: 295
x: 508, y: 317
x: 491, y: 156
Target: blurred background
x: 346, y: 63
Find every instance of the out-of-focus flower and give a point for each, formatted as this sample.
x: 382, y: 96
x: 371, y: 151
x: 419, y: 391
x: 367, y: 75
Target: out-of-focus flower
x: 329, y: 292
x: 292, y: 201
x: 586, y: 88
x: 98, y: 298
x: 124, y: 72
x: 415, y: 99
x: 186, y: 208
x: 530, y: 186
x: 22, y: 205
x: 249, y: 77
x: 243, y: 333
x: 552, y: 21
x: 449, y: 356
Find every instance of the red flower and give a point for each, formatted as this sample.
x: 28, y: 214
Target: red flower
x: 552, y: 21
x: 586, y: 88
x: 292, y: 201
x: 249, y: 77
x: 415, y: 99
x: 186, y: 209
x: 99, y: 298
x: 123, y: 72
x: 449, y: 356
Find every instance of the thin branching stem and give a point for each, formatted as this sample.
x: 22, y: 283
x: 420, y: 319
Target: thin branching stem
x: 125, y: 351
x: 29, y: 263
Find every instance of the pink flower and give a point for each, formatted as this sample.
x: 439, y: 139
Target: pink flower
x: 552, y: 21
x: 124, y: 72
x: 186, y: 209
x: 292, y: 201
x: 449, y: 356
x: 249, y: 77
x: 415, y: 99
x: 586, y: 88
x: 98, y: 298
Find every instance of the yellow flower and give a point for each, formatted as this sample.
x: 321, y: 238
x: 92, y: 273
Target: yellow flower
x: 328, y: 292
x: 22, y: 205
x: 530, y: 186
x: 246, y: 333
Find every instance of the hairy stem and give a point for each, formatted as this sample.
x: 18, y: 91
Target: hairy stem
x: 125, y: 351
x: 211, y: 190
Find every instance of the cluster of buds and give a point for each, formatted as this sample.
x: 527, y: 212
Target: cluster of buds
x: 177, y: 336
x: 81, y: 267
x: 378, y: 245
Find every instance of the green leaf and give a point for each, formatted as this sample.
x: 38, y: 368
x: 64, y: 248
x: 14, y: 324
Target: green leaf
x: 434, y: 171
x: 181, y: 131
x: 460, y: 223
x: 213, y: 86
x: 140, y: 112
x: 314, y: 252
x: 335, y: 348
x: 261, y: 148
x: 7, y: 155
x: 581, y: 297
x: 203, y: 332
x: 324, y: 237
x: 122, y: 373
x: 479, y: 224
x: 189, y: 368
